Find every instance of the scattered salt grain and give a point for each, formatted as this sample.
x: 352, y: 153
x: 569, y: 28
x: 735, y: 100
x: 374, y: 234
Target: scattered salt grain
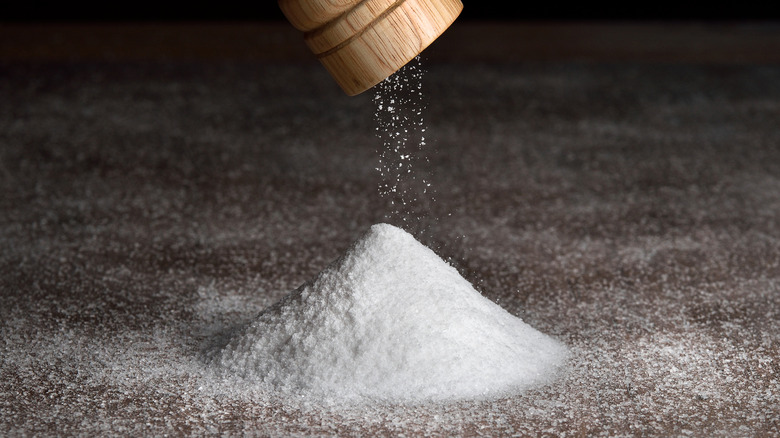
x: 390, y: 321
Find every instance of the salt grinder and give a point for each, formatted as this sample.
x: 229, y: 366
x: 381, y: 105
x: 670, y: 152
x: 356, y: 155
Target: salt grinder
x: 362, y: 42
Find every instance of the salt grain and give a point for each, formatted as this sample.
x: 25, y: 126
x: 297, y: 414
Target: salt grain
x: 390, y: 321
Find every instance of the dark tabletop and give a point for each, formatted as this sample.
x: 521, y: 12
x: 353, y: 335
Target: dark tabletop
x: 615, y: 185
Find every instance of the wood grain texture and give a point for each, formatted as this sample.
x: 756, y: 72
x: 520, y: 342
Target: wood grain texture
x: 348, y: 25
x: 364, y: 44
x: 306, y: 15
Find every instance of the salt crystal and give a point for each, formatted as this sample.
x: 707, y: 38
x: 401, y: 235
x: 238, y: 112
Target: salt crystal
x: 390, y: 321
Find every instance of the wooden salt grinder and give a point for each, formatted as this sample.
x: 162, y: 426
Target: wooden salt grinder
x: 362, y: 42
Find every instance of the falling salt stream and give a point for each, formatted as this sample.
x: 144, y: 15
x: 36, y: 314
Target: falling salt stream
x: 405, y: 182
x: 390, y: 320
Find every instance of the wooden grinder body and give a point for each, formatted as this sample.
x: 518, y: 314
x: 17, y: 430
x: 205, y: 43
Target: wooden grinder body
x: 362, y: 42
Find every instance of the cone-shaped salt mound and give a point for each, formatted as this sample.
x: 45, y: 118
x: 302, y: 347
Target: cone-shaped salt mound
x: 390, y: 320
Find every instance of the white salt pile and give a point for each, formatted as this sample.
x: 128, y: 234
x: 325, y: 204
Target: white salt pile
x: 391, y: 321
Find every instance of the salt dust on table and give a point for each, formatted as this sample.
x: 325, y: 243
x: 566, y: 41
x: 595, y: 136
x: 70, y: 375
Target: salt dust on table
x: 390, y: 321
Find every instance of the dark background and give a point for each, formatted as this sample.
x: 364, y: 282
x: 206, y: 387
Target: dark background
x: 265, y: 10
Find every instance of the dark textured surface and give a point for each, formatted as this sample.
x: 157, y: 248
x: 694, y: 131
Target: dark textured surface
x: 628, y: 209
